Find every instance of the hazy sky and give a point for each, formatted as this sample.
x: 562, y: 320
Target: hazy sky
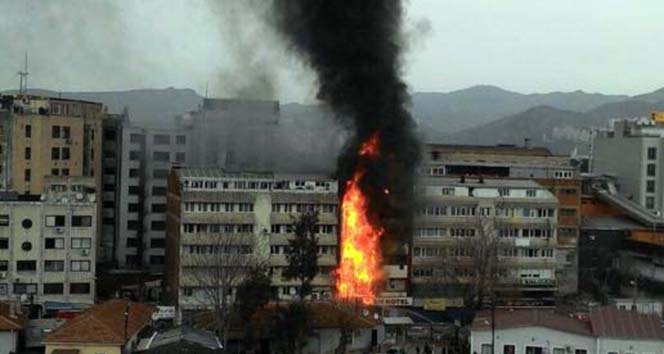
x: 610, y: 46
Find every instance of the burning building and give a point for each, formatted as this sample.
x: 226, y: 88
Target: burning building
x: 354, y: 49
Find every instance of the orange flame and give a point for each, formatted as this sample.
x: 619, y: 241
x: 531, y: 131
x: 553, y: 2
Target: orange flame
x: 360, y: 262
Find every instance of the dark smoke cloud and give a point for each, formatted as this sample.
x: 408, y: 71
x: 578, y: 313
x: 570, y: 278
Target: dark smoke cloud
x: 355, y: 47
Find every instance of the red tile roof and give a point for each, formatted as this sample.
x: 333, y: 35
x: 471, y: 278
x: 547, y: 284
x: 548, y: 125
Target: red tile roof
x: 609, y: 321
x: 531, y: 318
x: 104, y: 323
x: 10, y: 321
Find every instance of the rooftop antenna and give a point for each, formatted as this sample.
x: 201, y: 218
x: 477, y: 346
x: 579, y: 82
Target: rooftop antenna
x: 23, y: 77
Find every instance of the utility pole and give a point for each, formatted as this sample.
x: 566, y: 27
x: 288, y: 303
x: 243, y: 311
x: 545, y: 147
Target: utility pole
x: 23, y: 77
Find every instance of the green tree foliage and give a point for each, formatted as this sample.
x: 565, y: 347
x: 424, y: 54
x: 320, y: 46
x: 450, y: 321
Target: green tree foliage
x: 291, y: 328
x: 302, y: 254
x: 252, y: 294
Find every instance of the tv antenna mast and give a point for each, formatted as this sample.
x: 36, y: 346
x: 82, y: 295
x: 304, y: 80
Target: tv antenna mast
x: 23, y: 77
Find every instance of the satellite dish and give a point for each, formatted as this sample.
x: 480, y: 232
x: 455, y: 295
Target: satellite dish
x: 293, y: 291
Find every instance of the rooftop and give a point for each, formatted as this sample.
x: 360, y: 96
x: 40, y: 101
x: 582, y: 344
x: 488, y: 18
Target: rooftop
x: 605, y: 321
x: 475, y: 182
x: 180, y: 335
x: 9, y: 319
x: 490, y: 149
x: 104, y: 323
x: 218, y: 172
x: 323, y: 315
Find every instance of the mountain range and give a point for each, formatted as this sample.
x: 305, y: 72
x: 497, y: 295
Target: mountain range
x: 481, y: 114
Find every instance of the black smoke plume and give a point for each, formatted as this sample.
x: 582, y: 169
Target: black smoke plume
x: 354, y: 47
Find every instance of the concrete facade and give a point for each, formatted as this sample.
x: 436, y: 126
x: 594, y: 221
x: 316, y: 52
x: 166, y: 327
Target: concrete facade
x: 520, y: 216
x: 255, y: 211
x: 631, y: 151
x: 48, y: 243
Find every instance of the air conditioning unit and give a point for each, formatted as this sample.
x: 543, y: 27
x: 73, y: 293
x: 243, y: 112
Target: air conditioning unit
x: 314, y: 296
x: 59, y: 230
x: 3, y: 275
x: 85, y: 252
x: 79, y: 196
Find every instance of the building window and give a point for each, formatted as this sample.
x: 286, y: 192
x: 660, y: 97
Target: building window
x: 54, y: 266
x: 55, y: 132
x: 136, y: 138
x: 650, y: 186
x: 4, y: 266
x: 79, y: 266
x: 65, y: 153
x: 53, y: 288
x: 26, y: 223
x: 503, y: 192
x: 157, y: 260
x: 133, y: 207
x: 4, y: 290
x: 132, y: 225
x: 81, y: 243
x: 66, y: 133
x: 158, y: 208
x: 179, y: 157
x: 27, y: 176
x: 160, y: 173
x: 134, y: 190
x: 55, y: 153
x: 4, y: 243
x: 65, y: 172
x: 534, y: 350
x: 180, y: 139
x: 157, y: 243
x: 25, y: 288
x: 161, y: 156
x: 134, y: 155
x: 486, y: 349
x: 54, y: 243
x: 531, y: 193
x: 28, y: 153
x: 81, y: 220
x: 652, y: 153
x: 132, y: 242
x: 26, y: 266
x: 158, y: 191
x: 509, y: 349
x: 580, y: 351
x: 28, y: 131
x: 133, y: 172
x: 55, y: 172
x: 162, y: 139
x: 4, y: 220
x: 650, y: 202
x: 158, y: 226
x: 651, y: 169
x: 79, y: 288
x: 568, y: 212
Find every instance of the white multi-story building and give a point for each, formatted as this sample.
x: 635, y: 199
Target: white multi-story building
x: 211, y: 211
x: 136, y: 168
x: 48, y: 243
x: 460, y: 216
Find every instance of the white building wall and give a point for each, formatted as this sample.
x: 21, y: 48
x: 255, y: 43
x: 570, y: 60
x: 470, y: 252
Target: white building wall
x: 532, y: 336
x: 8, y: 342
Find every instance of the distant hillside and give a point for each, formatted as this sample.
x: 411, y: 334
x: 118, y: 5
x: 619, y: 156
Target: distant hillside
x: 458, y: 110
x: 560, y: 130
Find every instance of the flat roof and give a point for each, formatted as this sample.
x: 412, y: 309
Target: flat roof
x: 218, y: 172
x: 474, y: 182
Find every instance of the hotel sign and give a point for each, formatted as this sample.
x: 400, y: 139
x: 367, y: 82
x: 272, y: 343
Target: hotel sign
x: 394, y: 301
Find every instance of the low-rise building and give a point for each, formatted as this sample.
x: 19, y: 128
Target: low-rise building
x: 180, y: 339
x: 464, y: 222
x: 48, y: 243
x: 247, y: 217
x: 607, y: 330
x: 111, y: 327
x: 12, y: 324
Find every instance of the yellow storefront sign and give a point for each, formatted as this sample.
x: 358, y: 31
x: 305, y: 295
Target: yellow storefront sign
x: 442, y: 303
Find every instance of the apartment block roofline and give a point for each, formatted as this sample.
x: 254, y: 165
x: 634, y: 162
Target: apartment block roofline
x: 506, y: 149
x: 218, y: 172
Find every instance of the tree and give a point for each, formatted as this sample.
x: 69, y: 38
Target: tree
x: 291, y: 327
x: 302, y: 253
x: 483, y: 251
x: 252, y: 294
x: 215, y: 266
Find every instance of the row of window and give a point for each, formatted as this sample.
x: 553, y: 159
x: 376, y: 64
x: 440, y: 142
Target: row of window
x: 156, y: 190
x: 47, y: 288
x: 219, y: 207
x: 218, y: 249
x: 322, y: 250
x: 528, y: 232
x: 511, y: 349
x: 218, y: 228
x: 60, y: 132
x: 443, y: 210
x: 301, y: 208
x: 165, y: 139
x: 49, y: 266
x: 161, y: 156
x: 289, y: 229
x: 132, y: 242
x: 76, y: 220
x: 255, y: 185
x: 55, y: 243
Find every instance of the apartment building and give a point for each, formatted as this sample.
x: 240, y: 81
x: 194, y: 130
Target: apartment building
x: 46, y: 136
x: 559, y: 174
x: 48, y: 242
x: 458, y: 217
x: 248, y: 218
x: 631, y: 151
x: 221, y: 128
x: 145, y: 156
